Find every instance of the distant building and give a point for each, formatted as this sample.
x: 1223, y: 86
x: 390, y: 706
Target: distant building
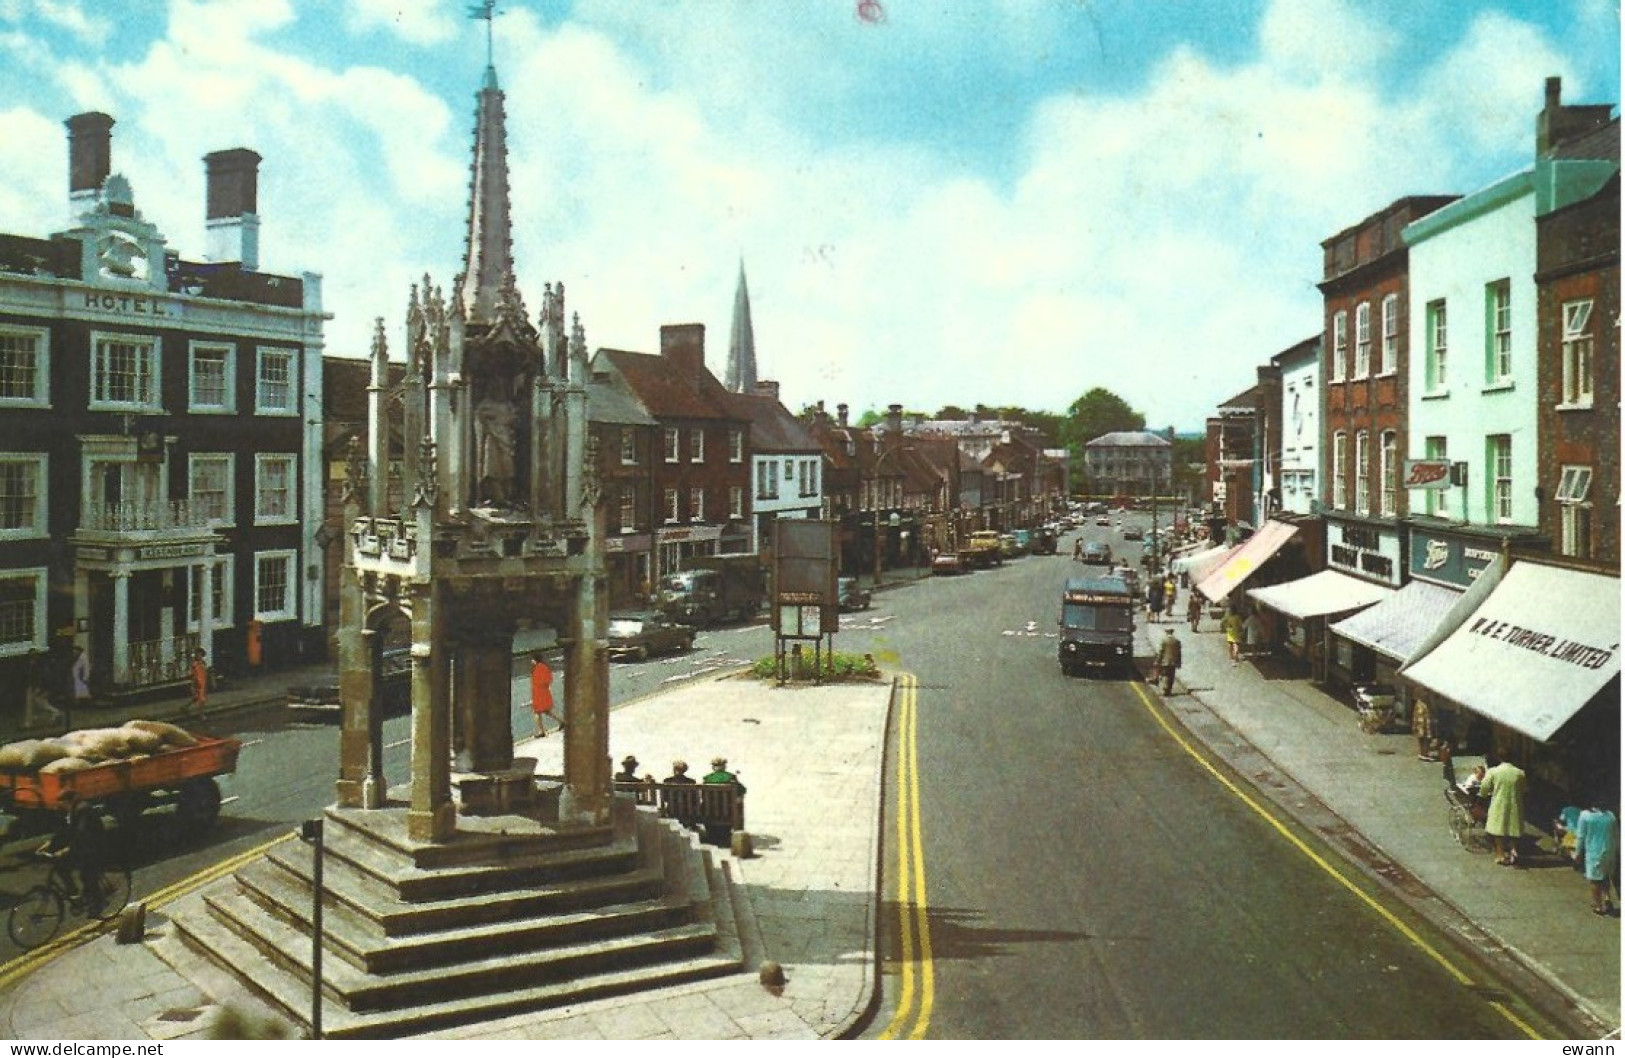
x: 1129, y: 463
x: 160, y: 468
x: 1298, y: 475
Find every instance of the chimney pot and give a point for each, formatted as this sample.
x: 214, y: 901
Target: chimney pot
x: 683, y: 346
x: 840, y: 414
x: 1554, y: 91
x: 767, y: 388
x: 232, y: 220
x: 90, y: 159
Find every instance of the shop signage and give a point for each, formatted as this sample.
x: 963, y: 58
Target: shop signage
x: 1557, y: 648
x: 1448, y: 560
x: 1427, y: 474
x: 1361, y: 552
x: 124, y: 304
x: 621, y: 544
x: 173, y: 551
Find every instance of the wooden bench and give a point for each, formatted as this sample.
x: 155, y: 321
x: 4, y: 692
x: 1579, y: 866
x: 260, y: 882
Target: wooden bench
x: 714, y: 806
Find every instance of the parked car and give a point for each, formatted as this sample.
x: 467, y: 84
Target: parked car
x: 949, y: 563
x: 1133, y: 533
x: 642, y: 634
x: 850, y: 596
x: 321, y: 700
x: 1097, y: 552
x: 1103, y: 520
x: 1007, y: 546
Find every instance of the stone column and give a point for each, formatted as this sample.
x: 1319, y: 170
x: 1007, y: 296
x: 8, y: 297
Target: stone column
x: 206, y: 614
x: 355, y: 693
x: 121, y: 626
x: 432, y: 815
x: 484, y: 702
x: 587, y: 794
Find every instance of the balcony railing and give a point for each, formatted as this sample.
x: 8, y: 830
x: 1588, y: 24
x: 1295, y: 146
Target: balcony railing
x: 154, y: 661
x: 169, y: 516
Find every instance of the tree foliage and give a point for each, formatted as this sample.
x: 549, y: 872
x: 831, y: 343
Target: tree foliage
x: 1099, y: 411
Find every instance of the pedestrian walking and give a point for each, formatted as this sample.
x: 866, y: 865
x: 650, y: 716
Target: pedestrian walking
x: 79, y: 671
x: 1503, y: 784
x: 541, y: 692
x: 1232, y: 628
x: 1170, y: 596
x: 1153, y: 600
x: 198, y: 681
x: 35, y: 699
x: 1193, y: 611
x: 1422, y: 728
x: 1169, y: 657
x: 1596, y: 846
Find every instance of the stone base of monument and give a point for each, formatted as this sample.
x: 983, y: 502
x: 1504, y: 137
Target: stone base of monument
x: 511, y: 914
x: 501, y: 792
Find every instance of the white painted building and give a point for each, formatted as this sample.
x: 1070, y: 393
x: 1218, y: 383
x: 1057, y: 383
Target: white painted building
x: 1298, y: 472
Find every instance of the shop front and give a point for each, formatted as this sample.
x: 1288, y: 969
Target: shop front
x: 630, y: 582
x: 1369, y: 647
x: 1365, y: 549
x: 1243, y: 562
x: 1305, y: 606
x: 1538, y: 661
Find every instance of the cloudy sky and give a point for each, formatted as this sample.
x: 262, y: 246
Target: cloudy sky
x: 936, y: 201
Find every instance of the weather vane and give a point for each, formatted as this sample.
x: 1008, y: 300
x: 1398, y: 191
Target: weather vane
x: 485, y: 11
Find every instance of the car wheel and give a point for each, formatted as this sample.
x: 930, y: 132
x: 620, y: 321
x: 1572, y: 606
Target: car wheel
x: 640, y: 654
x: 688, y: 644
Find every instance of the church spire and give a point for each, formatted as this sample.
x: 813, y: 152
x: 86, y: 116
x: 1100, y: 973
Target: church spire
x: 488, y: 259
x: 742, y: 342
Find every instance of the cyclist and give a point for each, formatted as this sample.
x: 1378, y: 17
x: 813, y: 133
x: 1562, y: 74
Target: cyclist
x: 78, y: 845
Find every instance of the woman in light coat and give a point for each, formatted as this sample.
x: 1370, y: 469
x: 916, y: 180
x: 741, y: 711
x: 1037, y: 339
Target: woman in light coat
x: 1503, y: 784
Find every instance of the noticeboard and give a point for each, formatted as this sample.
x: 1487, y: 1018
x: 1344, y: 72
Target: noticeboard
x: 805, y: 563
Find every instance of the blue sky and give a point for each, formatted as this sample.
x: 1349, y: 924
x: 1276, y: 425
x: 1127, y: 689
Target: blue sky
x: 1007, y: 201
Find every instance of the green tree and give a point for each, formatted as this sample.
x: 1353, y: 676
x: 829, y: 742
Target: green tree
x: 1099, y: 411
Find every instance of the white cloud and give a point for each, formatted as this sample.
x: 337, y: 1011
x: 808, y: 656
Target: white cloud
x: 72, y: 17
x: 414, y: 21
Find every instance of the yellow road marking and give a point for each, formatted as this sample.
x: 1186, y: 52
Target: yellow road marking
x: 914, y: 923
x: 1320, y: 861
x: 29, y: 961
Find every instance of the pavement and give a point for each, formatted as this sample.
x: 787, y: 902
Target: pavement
x: 813, y: 758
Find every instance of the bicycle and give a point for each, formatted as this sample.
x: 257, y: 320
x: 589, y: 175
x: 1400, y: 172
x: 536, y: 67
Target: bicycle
x: 35, y: 918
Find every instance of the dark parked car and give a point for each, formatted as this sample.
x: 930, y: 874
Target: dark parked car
x: 1096, y: 552
x: 948, y: 563
x: 849, y: 596
x: 1133, y: 533
x: 645, y: 633
x: 322, y: 699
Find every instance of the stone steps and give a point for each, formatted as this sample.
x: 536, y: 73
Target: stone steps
x: 394, y: 966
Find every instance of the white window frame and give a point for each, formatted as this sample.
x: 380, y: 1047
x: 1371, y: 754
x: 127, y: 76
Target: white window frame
x: 672, y: 444
x: 1362, y: 472
x: 696, y: 444
x: 1340, y: 345
x: 1579, y: 354
x: 1574, y: 512
x: 1340, y: 484
x: 1388, y: 467
x: 228, y: 460
x: 629, y: 447
x: 221, y: 584
x: 41, y: 395
x: 1438, y: 499
x: 1362, y: 340
x: 265, y: 354
x: 1498, y: 331
x: 672, y: 514
x: 289, y: 609
x: 228, y: 402
x: 40, y: 577
x: 1438, y: 331
x: 736, y: 502
x: 696, y: 504
x: 149, y: 378
x: 1390, y: 334
x: 629, y: 511
x: 40, y: 526
x: 261, y: 515
x: 736, y: 446
x: 1499, y: 466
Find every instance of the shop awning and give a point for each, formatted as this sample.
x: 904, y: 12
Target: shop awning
x: 1190, y: 561
x: 1396, y: 626
x: 1319, y: 594
x: 1259, y: 549
x: 1539, y: 647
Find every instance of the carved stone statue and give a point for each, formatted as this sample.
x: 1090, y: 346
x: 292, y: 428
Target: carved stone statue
x: 493, y: 448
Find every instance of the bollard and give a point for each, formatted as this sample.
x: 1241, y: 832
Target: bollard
x: 132, y: 924
x: 739, y: 844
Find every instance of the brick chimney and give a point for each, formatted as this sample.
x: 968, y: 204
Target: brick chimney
x: 840, y: 414
x: 682, y: 345
x: 1556, y: 122
x: 233, y: 223
x: 766, y: 387
x: 894, y: 418
x: 90, y: 159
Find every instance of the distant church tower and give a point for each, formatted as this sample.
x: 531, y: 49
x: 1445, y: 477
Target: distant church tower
x: 742, y: 343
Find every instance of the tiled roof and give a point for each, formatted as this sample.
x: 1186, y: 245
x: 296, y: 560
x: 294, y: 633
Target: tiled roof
x: 1600, y: 144
x: 772, y: 427
x: 1129, y: 439
x: 665, y: 393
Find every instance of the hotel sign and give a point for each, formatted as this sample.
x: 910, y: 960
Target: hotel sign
x: 124, y: 303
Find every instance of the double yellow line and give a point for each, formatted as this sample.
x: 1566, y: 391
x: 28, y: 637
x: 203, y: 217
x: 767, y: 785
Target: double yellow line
x: 913, y: 1015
